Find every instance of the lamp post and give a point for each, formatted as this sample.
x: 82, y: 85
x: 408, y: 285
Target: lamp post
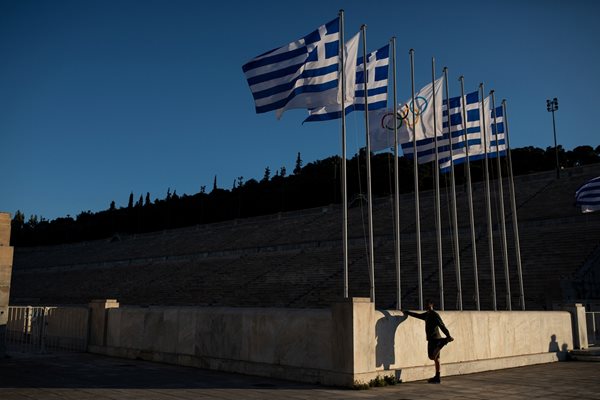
x: 551, y: 106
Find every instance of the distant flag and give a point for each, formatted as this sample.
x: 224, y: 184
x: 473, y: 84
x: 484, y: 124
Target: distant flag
x: 381, y: 129
x: 381, y: 123
x: 588, y: 196
x: 494, y: 134
x: 377, y: 70
x: 463, y: 135
x: 301, y: 74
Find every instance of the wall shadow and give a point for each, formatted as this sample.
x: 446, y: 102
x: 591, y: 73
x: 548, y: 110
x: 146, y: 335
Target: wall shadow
x: 385, y: 332
x: 562, y: 351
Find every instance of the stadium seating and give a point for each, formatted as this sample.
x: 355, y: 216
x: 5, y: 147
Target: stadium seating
x: 295, y: 259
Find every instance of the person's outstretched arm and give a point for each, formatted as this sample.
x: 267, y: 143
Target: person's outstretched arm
x: 415, y: 315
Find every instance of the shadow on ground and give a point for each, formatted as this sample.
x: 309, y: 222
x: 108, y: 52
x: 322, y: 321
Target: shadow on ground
x: 80, y: 370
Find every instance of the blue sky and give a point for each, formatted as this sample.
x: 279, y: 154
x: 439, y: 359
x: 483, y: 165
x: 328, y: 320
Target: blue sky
x: 102, y: 98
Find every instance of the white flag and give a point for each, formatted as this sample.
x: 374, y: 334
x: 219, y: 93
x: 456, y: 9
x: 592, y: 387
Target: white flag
x: 381, y: 122
x: 424, y: 114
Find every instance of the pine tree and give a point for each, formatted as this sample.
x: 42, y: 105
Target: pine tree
x: 215, y: 183
x: 19, y: 219
x: 130, y: 203
x: 147, y: 203
x: 140, y: 201
x: 113, y: 206
x: 282, y: 172
x: 267, y: 175
x: 298, y: 168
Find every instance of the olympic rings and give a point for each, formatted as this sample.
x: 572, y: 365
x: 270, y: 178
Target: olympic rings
x: 388, y: 123
x: 404, y: 114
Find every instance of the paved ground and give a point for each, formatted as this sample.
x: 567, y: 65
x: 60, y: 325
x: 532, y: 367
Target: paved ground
x: 86, y: 376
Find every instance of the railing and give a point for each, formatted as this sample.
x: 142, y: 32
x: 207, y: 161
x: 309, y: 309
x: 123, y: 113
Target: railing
x: 593, y: 327
x: 42, y: 329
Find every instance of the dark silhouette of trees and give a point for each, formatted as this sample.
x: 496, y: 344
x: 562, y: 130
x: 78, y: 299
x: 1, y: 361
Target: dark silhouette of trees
x: 313, y: 185
x: 298, y: 167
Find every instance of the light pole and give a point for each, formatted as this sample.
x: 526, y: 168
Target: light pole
x: 551, y: 106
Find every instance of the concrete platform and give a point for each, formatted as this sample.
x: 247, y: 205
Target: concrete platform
x: 85, y: 376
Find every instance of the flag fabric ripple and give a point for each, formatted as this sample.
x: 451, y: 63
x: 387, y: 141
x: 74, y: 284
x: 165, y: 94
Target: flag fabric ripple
x: 301, y: 74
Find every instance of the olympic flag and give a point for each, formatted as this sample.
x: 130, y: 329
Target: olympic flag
x: 588, y: 196
x: 381, y: 123
x: 301, y: 74
x: 377, y: 74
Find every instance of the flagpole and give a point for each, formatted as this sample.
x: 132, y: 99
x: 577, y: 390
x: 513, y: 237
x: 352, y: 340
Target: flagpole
x: 469, y: 187
x: 396, y: 184
x: 502, y: 217
x: 513, y: 204
x: 416, y: 178
x: 453, y: 189
x: 344, y: 193
x: 438, y: 207
x: 488, y: 201
x: 363, y: 29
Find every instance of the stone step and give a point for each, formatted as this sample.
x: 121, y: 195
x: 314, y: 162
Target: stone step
x: 590, y: 354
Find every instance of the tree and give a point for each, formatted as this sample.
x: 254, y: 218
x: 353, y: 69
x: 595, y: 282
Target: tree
x: 130, y: 203
x: 282, y: 172
x: 203, y: 189
x: 583, y: 155
x: 240, y: 181
x: 140, y: 201
x: 298, y: 168
x: 33, y: 221
x: 215, y: 183
x: 267, y: 175
x: 19, y: 220
x: 113, y: 206
x: 168, y: 194
x: 147, y: 203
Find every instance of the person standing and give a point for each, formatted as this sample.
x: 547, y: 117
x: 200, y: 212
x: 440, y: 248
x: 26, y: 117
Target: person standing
x: 435, y: 341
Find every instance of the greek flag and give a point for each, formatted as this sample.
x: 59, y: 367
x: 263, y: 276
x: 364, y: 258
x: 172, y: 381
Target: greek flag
x: 377, y: 74
x: 496, y: 138
x: 301, y: 74
x: 494, y: 134
x: 588, y: 196
x: 463, y: 135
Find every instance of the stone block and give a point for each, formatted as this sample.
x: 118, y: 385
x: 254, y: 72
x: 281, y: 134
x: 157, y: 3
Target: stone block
x: 4, y: 229
x: 579, y: 325
x: 186, y: 332
x: 98, y: 320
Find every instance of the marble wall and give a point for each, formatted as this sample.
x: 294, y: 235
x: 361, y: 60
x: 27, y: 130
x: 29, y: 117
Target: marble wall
x: 351, y: 342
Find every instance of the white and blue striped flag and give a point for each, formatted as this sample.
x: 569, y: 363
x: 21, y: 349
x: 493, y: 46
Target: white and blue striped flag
x: 494, y: 134
x: 463, y: 135
x: 588, y: 196
x: 377, y: 74
x: 301, y: 74
x: 381, y: 123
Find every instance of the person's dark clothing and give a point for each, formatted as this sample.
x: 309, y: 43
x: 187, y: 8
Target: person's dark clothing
x: 434, y: 346
x: 433, y: 324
